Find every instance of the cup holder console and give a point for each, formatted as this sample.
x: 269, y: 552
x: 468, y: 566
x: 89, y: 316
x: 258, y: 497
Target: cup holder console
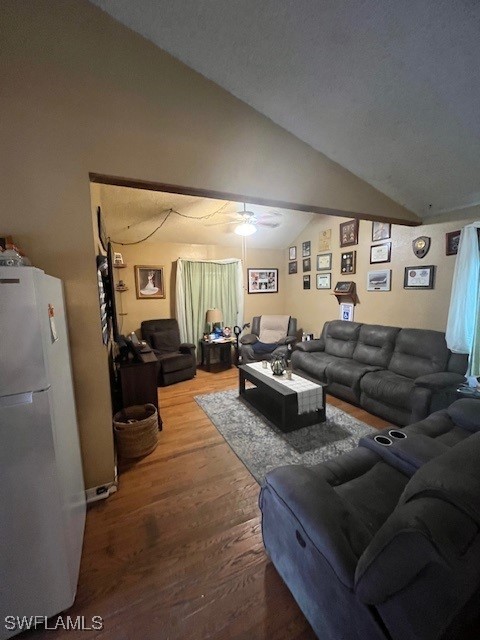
x: 383, y: 440
x: 397, y: 434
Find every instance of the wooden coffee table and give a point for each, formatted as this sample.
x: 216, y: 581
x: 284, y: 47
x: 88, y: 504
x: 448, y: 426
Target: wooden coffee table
x: 276, y: 401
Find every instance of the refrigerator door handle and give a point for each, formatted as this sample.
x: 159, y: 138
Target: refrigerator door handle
x: 18, y: 398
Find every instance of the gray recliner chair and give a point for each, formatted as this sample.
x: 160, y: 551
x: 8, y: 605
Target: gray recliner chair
x: 270, y: 336
x: 176, y: 360
x: 383, y: 542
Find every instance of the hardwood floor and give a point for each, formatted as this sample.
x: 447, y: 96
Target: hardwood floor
x: 177, y: 553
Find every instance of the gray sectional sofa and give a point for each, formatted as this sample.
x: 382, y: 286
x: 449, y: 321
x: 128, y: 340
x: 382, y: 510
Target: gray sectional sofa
x: 402, y: 375
x: 383, y: 542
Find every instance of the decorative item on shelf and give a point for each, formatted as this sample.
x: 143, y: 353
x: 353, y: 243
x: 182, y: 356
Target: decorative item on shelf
x: 11, y: 255
x: 451, y: 243
x: 348, y: 233
x: 348, y: 262
x: 227, y: 332
x: 117, y: 259
x: 121, y: 286
x: 278, y: 365
x: 345, y: 290
x: 421, y: 245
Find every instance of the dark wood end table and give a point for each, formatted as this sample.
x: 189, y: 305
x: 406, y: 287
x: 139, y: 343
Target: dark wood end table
x: 224, y: 350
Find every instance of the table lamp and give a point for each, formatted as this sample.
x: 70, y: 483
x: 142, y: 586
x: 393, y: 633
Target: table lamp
x: 214, y: 317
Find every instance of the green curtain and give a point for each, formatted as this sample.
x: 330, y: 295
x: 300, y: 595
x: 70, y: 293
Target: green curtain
x: 206, y: 285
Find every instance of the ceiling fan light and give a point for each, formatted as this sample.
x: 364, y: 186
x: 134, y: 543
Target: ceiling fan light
x: 245, y: 229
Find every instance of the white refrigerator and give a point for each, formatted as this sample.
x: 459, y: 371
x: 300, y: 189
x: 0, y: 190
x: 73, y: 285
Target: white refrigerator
x: 42, y: 496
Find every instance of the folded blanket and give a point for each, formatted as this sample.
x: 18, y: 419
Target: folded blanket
x: 262, y: 347
x: 273, y: 329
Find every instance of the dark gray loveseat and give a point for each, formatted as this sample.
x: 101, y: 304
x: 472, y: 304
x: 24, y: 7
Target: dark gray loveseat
x: 383, y: 542
x: 402, y: 375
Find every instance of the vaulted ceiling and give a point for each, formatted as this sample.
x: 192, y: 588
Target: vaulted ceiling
x: 390, y: 89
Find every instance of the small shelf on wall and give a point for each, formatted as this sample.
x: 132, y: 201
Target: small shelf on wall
x: 345, y: 291
x: 121, y: 289
x: 119, y: 265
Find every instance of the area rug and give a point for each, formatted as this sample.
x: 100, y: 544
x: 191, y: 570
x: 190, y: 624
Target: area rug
x: 261, y: 446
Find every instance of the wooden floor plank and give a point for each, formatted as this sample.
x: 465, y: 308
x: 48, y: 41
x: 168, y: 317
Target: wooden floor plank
x: 177, y: 552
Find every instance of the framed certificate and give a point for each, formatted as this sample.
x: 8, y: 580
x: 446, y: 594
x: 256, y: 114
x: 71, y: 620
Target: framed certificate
x: 324, y: 262
x: 419, y: 277
x: 324, y: 280
x: 380, y: 253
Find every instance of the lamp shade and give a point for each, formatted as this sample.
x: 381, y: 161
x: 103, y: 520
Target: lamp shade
x: 214, y: 316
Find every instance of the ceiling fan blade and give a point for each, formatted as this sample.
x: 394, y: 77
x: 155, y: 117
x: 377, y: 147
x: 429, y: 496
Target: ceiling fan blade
x: 224, y: 222
x: 270, y: 225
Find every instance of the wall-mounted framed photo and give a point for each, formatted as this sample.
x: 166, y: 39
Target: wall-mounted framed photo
x: 380, y: 253
x: 307, y: 264
x: 292, y: 253
x: 348, y: 262
x: 262, y: 280
x: 292, y: 267
x: 306, y: 282
x: 306, y: 249
x: 451, y: 243
x: 419, y: 277
x: 324, y: 262
x: 324, y: 280
x: 379, y: 280
x: 381, y: 231
x: 149, y: 282
x: 348, y: 233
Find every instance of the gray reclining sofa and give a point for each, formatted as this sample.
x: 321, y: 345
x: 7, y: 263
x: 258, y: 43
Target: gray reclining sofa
x: 383, y: 542
x: 402, y: 375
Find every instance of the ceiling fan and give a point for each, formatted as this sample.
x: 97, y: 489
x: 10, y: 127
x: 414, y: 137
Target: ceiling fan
x: 247, y: 221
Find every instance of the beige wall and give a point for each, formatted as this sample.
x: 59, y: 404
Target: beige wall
x: 398, y: 307
x: 165, y: 254
x: 79, y: 94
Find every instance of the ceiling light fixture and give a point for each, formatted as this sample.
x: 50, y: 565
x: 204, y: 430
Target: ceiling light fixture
x: 245, y: 229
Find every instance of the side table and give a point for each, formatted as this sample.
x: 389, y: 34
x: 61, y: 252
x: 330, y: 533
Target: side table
x: 464, y: 391
x: 224, y: 350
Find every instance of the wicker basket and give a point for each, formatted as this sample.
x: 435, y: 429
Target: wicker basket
x: 136, y: 431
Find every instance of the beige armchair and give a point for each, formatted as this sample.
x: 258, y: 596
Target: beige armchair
x: 270, y: 336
